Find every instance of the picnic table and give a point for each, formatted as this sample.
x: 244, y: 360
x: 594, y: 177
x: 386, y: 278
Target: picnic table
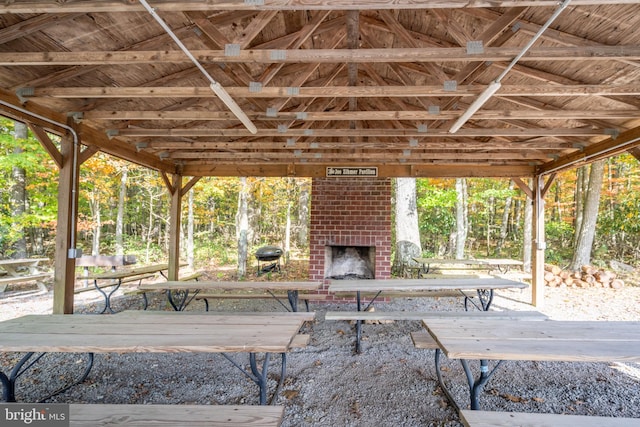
x: 499, y: 340
x: 202, y: 287
x: 483, y: 286
x: 116, y: 278
x: 21, y: 270
x: 502, y: 264
x: 153, y: 331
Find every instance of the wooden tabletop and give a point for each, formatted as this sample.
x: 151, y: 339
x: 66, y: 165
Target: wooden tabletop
x: 439, y: 284
x: 579, y: 341
x: 509, y: 419
x: 229, y: 285
x: 22, y: 261
x: 480, y: 261
x: 128, y: 272
x: 164, y: 332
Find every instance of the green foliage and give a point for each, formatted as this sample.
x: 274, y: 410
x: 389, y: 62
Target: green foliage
x: 147, y: 203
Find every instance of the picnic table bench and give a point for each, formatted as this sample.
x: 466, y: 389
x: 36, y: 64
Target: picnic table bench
x: 522, y: 419
x: 482, y: 286
x: 498, y: 340
x: 158, y: 332
x: 205, y: 290
x: 93, y: 415
x: 22, y: 270
x: 502, y: 264
x: 115, y: 279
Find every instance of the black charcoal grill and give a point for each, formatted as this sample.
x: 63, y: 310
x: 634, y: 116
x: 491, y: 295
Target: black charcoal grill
x: 268, y: 259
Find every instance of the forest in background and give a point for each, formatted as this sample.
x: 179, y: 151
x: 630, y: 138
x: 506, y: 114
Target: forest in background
x: 124, y: 209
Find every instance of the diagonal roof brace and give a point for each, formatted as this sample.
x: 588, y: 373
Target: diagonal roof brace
x: 220, y: 92
x: 495, y: 85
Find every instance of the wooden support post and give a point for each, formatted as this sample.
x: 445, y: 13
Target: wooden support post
x: 539, y: 244
x: 174, y: 227
x: 64, y: 276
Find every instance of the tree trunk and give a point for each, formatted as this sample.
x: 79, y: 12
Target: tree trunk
x: 19, y: 197
x: 287, y: 234
x: 504, y: 227
x: 407, y: 230
x: 581, y: 186
x: 462, y: 224
x: 303, y: 214
x: 120, y: 214
x: 190, y: 226
x: 582, y: 254
x: 527, y: 232
x: 242, y: 227
x: 97, y: 222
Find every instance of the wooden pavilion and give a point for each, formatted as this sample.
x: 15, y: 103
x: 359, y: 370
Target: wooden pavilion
x: 401, y: 88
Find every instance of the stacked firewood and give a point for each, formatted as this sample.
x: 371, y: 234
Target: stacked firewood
x: 587, y: 277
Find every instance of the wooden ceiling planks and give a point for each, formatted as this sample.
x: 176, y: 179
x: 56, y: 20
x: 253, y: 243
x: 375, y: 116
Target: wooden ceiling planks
x: 331, y: 83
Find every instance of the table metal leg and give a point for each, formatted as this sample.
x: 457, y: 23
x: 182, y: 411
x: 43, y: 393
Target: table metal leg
x: 359, y: 321
x: 476, y: 385
x: 292, y: 295
x: 9, y: 382
x: 259, y: 375
x: 485, y: 297
x: 107, y: 296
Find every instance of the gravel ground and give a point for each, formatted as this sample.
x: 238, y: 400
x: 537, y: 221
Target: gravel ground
x: 390, y: 384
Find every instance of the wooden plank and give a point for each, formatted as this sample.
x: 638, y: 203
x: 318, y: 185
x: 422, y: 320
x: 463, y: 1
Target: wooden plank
x: 208, y: 295
x: 155, y: 268
x: 22, y: 261
x: 105, y: 260
x: 89, y: 6
x: 151, y: 333
x: 422, y: 339
x: 521, y: 419
x: 24, y: 279
x: 231, y: 285
x: 300, y: 341
x: 92, y: 415
x: 424, y: 284
x: 495, y: 329
x: 325, y: 56
x: 453, y: 293
x: 433, y: 315
x: 555, y: 340
x: 568, y: 351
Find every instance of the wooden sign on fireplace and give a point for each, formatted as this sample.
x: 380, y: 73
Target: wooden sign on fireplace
x: 345, y: 171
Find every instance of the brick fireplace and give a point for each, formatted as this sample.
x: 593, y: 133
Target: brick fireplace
x: 350, y: 216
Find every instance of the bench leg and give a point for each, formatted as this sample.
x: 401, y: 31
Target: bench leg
x: 9, y: 382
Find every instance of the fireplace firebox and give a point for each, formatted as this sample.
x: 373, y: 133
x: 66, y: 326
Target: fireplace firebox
x: 350, y: 262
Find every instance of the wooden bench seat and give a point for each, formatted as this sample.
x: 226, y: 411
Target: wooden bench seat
x: 300, y: 341
x: 505, y: 419
x: 422, y: 340
x: 206, y: 296
x: 435, y: 315
x: 416, y: 294
x: 94, y: 415
x: 23, y: 279
x: 237, y: 295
